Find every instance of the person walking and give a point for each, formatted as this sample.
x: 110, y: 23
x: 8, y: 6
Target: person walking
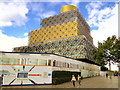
x: 73, y: 80
x: 106, y: 75
x: 79, y: 79
x: 110, y: 75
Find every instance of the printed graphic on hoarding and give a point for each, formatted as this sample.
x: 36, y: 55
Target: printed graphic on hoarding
x: 34, y: 74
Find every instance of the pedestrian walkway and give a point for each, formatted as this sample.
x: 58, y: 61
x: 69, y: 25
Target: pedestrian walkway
x: 94, y: 82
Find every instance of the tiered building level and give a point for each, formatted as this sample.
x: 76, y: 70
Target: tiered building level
x: 66, y: 34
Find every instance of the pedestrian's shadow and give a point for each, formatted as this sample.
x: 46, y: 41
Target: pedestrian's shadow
x: 77, y: 85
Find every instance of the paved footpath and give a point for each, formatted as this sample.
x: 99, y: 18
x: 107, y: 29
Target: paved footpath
x: 94, y: 82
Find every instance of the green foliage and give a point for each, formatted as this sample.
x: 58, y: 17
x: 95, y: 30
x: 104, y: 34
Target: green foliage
x: 107, y: 51
x: 116, y: 50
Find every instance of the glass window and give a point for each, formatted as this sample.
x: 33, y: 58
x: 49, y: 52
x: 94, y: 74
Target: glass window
x: 5, y: 61
x: 14, y: 61
x: 1, y: 60
x: 32, y: 62
x: 62, y: 64
x: 49, y: 62
x: 65, y: 64
x: 22, y: 75
x: 68, y: 65
x: 42, y: 62
x: 54, y: 63
x: 9, y: 61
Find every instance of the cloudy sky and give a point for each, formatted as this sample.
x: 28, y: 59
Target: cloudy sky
x: 17, y: 19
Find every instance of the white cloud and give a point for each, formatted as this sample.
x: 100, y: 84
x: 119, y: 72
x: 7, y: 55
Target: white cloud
x: 13, y: 14
x: 93, y: 9
x: 7, y: 43
x: 105, y: 19
x: 47, y: 14
x: 94, y: 5
x: 25, y: 34
x: 36, y: 7
x: 73, y: 2
x: 39, y: 10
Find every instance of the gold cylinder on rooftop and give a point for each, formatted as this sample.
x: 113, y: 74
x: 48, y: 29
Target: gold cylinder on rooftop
x: 68, y: 8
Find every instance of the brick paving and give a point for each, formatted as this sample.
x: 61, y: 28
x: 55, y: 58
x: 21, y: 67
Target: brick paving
x: 94, y: 82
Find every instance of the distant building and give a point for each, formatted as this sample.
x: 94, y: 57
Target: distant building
x: 66, y: 34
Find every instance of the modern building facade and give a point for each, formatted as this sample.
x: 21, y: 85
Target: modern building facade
x: 66, y: 34
x: 66, y: 24
x: 39, y: 69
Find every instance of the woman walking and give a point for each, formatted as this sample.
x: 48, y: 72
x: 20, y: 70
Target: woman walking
x: 73, y: 80
x: 79, y: 79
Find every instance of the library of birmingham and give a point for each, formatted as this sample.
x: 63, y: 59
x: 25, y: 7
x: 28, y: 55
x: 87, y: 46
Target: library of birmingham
x: 66, y: 34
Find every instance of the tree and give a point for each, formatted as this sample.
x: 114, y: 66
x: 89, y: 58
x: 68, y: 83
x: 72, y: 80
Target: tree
x: 107, y: 52
x: 116, y: 50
